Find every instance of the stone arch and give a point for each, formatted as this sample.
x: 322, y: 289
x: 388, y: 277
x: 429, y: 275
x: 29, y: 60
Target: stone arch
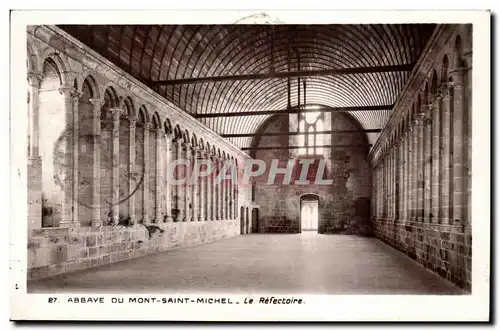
x: 444, y: 69
x: 186, y: 136
x: 143, y: 115
x: 434, y: 83
x: 201, y: 144
x: 92, y: 85
x: 457, y: 53
x: 177, y: 132
x: 59, y: 61
x: 194, y: 140
x: 128, y: 107
x: 167, y: 126
x: 156, y: 122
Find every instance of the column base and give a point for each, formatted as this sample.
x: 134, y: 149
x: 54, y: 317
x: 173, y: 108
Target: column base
x: 95, y: 223
x: 201, y: 219
x: 168, y: 218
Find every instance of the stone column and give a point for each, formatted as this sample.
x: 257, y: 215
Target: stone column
x: 96, y: 185
x: 187, y: 212
x: 223, y: 194
x: 133, y: 179
x: 420, y: 165
x: 460, y: 146
x: 436, y: 158
x: 34, y: 80
x: 195, y: 187
x: 427, y: 156
x: 145, y: 191
x: 414, y: 169
x: 158, y: 176
x: 400, y: 180
x: 406, y: 162
x: 115, y: 182
x: 218, y: 209
x: 69, y: 217
x: 34, y: 159
x: 202, y: 198
x: 446, y: 153
x: 209, y: 195
x: 179, y: 188
x: 214, y: 200
x: 168, y: 189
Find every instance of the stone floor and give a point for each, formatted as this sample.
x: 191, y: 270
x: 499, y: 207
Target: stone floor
x: 306, y: 263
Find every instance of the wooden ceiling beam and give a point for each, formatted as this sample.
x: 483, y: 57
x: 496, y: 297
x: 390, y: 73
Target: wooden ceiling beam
x: 295, y: 133
x: 294, y: 111
x: 285, y: 74
x: 298, y: 147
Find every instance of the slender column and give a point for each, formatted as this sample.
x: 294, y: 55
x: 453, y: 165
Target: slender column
x: 219, y: 193
x: 400, y: 180
x: 115, y: 183
x: 133, y: 180
x: 411, y: 156
x: 168, y: 189
x: 202, y: 197
x: 436, y: 158
x: 460, y: 145
x: 446, y: 153
x: 393, y: 180
x: 69, y: 217
x: 208, y: 197
x: 96, y: 165
x: 415, y: 170
x: 34, y: 159
x: 427, y: 161
x: 406, y: 196
x: 34, y: 80
x: 420, y: 165
x: 214, y: 196
x: 195, y: 187
x: 187, y: 212
x: 158, y: 175
x: 145, y: 191
x: 236, y: 197
x: 179, y: 188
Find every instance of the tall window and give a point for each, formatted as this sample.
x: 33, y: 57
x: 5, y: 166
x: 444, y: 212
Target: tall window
x: 310, y: 140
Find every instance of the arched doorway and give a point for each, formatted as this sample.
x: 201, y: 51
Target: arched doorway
x: 309, y: 212
x: 242, y: 220
x: 255, y: 220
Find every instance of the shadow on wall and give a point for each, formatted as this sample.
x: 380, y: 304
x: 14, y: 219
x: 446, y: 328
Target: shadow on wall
x: 356, y: 221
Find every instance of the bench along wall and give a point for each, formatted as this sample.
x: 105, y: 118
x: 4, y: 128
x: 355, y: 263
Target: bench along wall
x: 99, y: 146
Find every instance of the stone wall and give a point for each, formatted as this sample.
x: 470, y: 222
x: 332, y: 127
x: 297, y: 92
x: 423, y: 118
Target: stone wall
x: 422, y: 161
x: 344, y: 206
x: 54, y: 251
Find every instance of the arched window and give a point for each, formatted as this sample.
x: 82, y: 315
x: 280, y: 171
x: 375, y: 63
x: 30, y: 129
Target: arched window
x: 310, y: 141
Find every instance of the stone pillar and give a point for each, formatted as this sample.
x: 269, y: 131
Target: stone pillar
x: 214, y: 200
x: 427, y: 156
x: 34, y: 80
x: 219, y: 190
x: 195, y: 186
x: 460, y: 146
x: 158, y: 175
x: 133, y: 179
x: 400, y: 165
x: 414, y: 169
x: 223, y: 194
x: 202, y: 197
x: 168, y: 189
x: 420, y: 165
x: 187, y: 212
x: 69, y: 214
x: 209, y: 195
x: 179, y: 188
x: 436, y: 175
x: 145, y: 191
x: 115, y: 183
x: 406, y: 186
x: 96, y: 165
x: 446, y: 153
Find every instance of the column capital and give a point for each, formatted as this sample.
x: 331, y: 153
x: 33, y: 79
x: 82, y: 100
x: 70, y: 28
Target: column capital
x: 34, y: 78
x: 132, y: 122
x: 434, y: 97
x: 70, y: 92
x: 444, y: 90
x: 422, y: 119
x: 116, y: 112
x: 147, y: 126
x: 178, y: 141
x: 96, y: 102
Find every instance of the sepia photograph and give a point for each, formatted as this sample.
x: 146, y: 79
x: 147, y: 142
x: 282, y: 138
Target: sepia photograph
x: 257, y: 161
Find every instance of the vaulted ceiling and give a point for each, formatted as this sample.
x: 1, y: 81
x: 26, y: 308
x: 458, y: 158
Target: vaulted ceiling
x: 246, y: 67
